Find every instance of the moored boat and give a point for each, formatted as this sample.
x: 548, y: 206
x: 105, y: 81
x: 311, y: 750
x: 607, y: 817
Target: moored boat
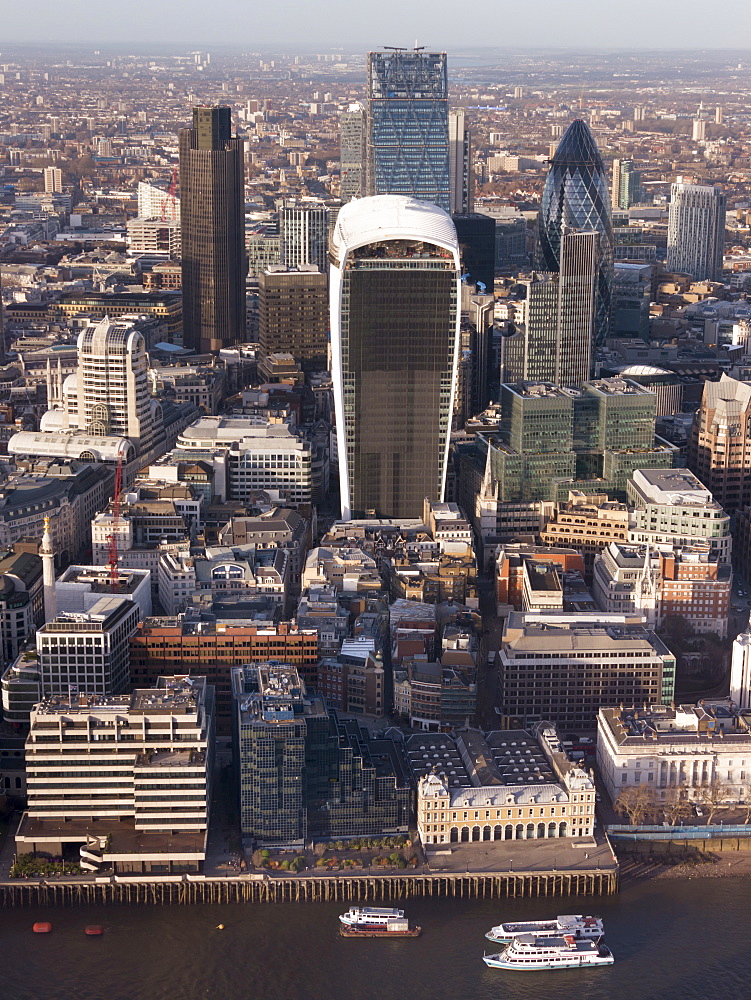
x: 42, y: 927
x: 534, y: 952
x: 581, y: 927
x: 373, y: 921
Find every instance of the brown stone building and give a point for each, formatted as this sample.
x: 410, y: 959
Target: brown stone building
x: 720, y: 448
x: 294, y: 313
x: 588, y: 524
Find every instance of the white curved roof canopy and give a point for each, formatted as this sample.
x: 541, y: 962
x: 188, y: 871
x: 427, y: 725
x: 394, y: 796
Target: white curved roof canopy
x: 101, y: 449
x: 389, y: 217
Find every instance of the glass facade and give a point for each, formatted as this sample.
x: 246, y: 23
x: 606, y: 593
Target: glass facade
x: 576, y: 195
x: 303, y: 773
x: 398, y: 327
x: 408, y: 132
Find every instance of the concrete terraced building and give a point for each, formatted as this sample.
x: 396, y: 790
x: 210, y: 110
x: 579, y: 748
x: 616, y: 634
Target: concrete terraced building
x: 122, y: 781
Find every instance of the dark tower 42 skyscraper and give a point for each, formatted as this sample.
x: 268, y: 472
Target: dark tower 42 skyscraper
x: 395, y: 295
x: 212, y: 218
x: 408, y: 130
x: 576, y: 196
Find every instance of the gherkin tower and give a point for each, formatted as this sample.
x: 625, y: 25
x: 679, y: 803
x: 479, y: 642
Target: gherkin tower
x: 576, y: 195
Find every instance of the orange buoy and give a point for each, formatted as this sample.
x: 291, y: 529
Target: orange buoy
x: 42, y: 927
x: 93, y: 930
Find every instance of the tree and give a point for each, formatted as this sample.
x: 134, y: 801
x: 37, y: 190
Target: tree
x: 320, y: 849
x: 713, y: 796
x: 675, y: 805
x: 637, y: 803
x: 746, y: 800
x: 258, y: 858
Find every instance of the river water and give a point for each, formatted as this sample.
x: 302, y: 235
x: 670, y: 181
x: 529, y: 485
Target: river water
x: 672, y: 940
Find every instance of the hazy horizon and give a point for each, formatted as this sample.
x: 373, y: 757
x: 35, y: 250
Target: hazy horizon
x: 561, y: 25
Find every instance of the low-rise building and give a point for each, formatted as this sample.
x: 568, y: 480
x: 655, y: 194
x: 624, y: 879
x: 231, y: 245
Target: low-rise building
x: 206, y: 646
x: 79, y: 588
x: 512, y: 572
x: 503, y: 785
x: 685, y: 748
x: 123, y: 780
x: 586, y: 523
x: 354, y: 681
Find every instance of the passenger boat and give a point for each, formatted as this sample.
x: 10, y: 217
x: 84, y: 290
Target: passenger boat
x: 373, y: 921
x: 587, y: 928
x: 532, y: 952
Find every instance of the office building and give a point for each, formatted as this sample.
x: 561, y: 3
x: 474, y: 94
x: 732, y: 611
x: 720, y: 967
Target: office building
x: 576, y: 195
x: 696, y: 231
x: 588, y: 523
x: 212, y: 220
x: 352, y: 135
x: 564, y: 672
x: 53, y: 180
x: 294, y: 314
x: 395, y: 298
x: 504, y: 785
x: 632, y: 293
x: 304, y: 232
x: 626, y: 184
x: 304, y: 775
x: 105, y: 411
x: 740, y: 670
x: 248, y: 454
x: 87, y: 651
x: 408, y: 126
x: 124, y: 781
x: 679, y: 749
x: 671, y: 507
x: 720, y: 445
x: 554, y: 341
x: 207, y: 646
x: 21, y: 598
x: 461, y: 172
x: 476, y: 235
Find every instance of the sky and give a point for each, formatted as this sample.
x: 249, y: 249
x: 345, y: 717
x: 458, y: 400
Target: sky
x: 298, y: 25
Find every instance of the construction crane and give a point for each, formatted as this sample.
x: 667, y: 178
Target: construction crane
x: 169, y: 201
x: 112, y: 539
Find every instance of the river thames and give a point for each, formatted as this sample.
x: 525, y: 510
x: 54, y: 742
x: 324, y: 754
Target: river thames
x: 672, y: 939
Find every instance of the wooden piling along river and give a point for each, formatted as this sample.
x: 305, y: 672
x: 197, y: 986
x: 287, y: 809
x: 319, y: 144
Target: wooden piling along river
x: 365, y: 888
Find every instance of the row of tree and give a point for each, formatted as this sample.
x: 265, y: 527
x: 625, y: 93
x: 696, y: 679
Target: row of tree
x: 641, y: 803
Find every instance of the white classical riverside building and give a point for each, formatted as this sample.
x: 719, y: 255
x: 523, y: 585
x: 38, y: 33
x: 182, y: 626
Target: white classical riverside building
x: 686, y: 747
x: 505, y: 785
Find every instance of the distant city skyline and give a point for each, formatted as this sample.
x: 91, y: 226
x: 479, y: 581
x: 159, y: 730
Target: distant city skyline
x: 581, y: 24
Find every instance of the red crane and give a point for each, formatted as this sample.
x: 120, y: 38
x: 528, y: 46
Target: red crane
x: 112, y: 539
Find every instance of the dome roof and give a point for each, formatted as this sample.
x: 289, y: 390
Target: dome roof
x: 643, y: 370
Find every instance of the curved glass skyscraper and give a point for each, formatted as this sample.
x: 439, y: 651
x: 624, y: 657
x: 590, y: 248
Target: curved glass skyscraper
x: 576, y: 195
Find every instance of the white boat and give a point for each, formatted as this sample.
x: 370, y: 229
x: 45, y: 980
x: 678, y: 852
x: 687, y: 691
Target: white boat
x: 372, y: 921
x: 532, y: 952
x: 370, y: 916
x: 585, y: 928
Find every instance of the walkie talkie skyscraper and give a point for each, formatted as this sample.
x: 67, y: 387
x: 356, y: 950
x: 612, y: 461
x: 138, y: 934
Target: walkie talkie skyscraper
x: 576, y: 196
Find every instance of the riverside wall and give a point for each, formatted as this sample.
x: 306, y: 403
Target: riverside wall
x: 194, y: 889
